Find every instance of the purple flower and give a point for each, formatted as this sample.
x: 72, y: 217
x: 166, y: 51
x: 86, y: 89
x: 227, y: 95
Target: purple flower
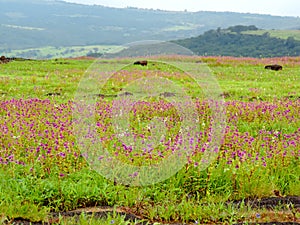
x: 135, y: 174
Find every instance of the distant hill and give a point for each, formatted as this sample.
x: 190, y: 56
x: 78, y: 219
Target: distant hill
x: 39, y: 23
x: 246, y: 41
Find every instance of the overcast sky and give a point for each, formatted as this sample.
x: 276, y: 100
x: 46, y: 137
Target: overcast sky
x: 273, y: 7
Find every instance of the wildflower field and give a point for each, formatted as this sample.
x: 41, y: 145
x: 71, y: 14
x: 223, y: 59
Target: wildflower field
x: 44, y: 174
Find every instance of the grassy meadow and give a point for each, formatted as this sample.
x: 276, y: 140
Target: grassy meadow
x: 59, y: 52
x: 284, y: 34
x: 43, y: 171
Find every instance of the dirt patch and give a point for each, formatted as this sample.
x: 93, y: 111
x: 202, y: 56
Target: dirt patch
x: 270, y: 203
x: 99, y: 212
x: 270, y: 223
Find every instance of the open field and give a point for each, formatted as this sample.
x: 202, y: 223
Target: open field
x: 239, y: 78
x: 284, y: 34
x: 46, y: 177
x: 59, y: 52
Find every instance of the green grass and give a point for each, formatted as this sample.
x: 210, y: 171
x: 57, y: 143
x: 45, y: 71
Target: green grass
x: 59, y: 52
x: 187, y: 26
x: 185, y: 197
x: 246, y: 82
x: 259, y: 118
x: 29, y: 79
x: 284, y: 34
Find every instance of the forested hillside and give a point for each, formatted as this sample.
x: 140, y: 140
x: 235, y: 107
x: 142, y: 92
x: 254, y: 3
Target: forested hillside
x: 28, y: 24
x: 234, y: 41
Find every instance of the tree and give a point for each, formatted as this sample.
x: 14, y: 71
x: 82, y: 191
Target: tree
x: 290, y: 42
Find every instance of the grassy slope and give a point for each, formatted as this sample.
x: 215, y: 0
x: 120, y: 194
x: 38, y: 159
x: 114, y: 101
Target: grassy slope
x: 59, y: 52
x: 284, y: 34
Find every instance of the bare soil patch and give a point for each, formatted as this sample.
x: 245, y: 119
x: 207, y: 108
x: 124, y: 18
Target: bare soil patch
x: 270, y: 204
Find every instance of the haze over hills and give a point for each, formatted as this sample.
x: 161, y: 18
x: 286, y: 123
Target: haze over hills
x: 38, y: 23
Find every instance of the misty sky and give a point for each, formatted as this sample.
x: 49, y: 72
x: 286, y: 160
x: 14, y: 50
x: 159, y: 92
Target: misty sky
x: 273, y: 7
